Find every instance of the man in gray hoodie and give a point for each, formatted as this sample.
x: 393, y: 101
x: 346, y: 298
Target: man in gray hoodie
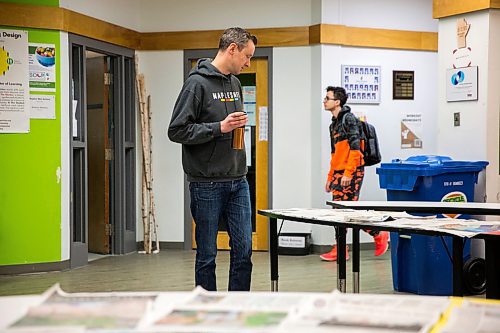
x: 208, y: 109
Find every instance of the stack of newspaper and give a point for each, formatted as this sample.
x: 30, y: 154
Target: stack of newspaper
x: 460, y: 227
x: 202, y: 311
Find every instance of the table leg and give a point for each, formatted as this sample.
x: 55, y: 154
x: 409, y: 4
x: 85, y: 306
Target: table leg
x: 458, y: 263
x: 355, y: 260
x: 492, y: 268
x: 341, y: 269
x: 273, y: 252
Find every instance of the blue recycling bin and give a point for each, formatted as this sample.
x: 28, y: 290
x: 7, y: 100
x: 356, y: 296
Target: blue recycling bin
x: 421, y: 264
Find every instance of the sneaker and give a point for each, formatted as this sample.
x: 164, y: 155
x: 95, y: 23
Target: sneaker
x: 332, y: 255
x: 381, y: 243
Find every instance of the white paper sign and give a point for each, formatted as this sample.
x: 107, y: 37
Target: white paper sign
x: 411, y: 131
x: 43, y: 106
x: 14, y: 85
x: 74, y: 121
x: 249, y: 102
x: 263, y: 123
x: 248, y: 145
x: 461, y: 84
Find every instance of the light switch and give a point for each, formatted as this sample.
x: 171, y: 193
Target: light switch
x: 456, y: 119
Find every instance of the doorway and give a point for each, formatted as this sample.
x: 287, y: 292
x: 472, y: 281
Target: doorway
x: 102, y: 145
x: 100, y: 141
x: 256, y: 88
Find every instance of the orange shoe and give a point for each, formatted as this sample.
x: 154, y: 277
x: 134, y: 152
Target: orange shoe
x: 381, y: 243
x: 332, y: 255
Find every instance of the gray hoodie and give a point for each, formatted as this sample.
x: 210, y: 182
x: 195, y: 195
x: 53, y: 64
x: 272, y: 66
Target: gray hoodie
x: 206, y: 99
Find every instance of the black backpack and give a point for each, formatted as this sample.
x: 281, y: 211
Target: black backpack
x: 371, y: 152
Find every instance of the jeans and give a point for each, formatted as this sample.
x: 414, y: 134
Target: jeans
x: 209, y: 202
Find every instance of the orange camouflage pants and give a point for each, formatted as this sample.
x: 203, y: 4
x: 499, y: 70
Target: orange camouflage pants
x: 347, y: 193
x: 351, y: 192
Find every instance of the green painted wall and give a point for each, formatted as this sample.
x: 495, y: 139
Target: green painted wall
x: 30, y: 196
x: 52, y: 3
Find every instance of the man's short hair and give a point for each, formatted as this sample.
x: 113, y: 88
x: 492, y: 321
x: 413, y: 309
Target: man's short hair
x: 338, y: 93
x: 239, y: 36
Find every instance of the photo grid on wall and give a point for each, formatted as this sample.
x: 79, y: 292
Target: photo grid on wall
x: 362, y: 83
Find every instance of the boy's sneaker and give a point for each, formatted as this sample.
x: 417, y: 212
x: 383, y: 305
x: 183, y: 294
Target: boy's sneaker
x: 332, y: 255
x: 381, y: 243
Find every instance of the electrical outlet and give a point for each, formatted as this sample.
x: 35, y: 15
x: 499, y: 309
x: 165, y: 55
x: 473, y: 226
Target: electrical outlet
x: 456, y: 119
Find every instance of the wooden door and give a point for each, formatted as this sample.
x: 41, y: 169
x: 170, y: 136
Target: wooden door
x: 258, y: 73
x: 98, y: 96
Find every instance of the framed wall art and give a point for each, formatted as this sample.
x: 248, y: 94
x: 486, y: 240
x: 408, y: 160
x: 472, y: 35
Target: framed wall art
x: 362, y: 83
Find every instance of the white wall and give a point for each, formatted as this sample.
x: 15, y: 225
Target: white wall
x: 472, y: 113
x: 383, y: 14
x: 492, y: 127
x: 292, y: 144
x: 477, y: 136
x: 174, y: 15
x: 163, y: 71
x: 125, y: 13
x: 161, y: 15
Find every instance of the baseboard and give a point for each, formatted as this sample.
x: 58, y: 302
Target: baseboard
x: 34, y: 268
x: 163, y: 246
x: 318, y: 249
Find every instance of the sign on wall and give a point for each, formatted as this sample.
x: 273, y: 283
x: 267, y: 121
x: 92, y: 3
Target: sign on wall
x: 411, y: 131
x: 362, y: 84
x: 249, y: 103
x: 461, y: 84
x: 14, y: 86
x: 403, y: 84
x: 42, y: 80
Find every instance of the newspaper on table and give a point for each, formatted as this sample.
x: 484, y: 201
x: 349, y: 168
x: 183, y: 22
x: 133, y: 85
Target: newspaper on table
x: 459, y: 227
x: 472, y: 316
x: 256, y: 312
x: 81, y: 312
x: 203, y: 311
x: 341, y: 215
x: 366, y: 313
x: 225, y: 312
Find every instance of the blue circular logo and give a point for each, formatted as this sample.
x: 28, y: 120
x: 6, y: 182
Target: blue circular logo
x: 457, y: 78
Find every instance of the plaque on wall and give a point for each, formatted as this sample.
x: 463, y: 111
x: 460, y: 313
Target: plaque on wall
x: 461, y: 84
x: 403, y: 84
x: 362, y: 84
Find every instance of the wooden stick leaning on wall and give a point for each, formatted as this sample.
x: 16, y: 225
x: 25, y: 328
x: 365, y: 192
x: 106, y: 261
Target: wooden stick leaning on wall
x: 152, y: 214
x: 148, y: 211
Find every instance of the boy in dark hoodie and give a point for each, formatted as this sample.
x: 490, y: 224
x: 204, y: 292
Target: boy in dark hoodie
x: 208, y: 109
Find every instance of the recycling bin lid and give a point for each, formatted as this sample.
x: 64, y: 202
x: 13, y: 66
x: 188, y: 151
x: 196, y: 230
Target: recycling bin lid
x: 430, y: 165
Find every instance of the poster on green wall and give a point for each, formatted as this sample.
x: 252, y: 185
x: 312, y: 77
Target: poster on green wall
x: 42, y: 77
x: 14, y: 88
x: 42, y: 61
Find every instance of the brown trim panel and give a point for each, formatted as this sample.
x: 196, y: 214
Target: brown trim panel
x: 445, y: 8
x: 53, y: 18
x: 101, y: 30
x: 29, y: 16
x: 380, y: 38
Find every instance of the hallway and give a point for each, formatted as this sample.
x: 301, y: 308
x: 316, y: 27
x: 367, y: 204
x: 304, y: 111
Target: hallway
x: 173, y: 270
